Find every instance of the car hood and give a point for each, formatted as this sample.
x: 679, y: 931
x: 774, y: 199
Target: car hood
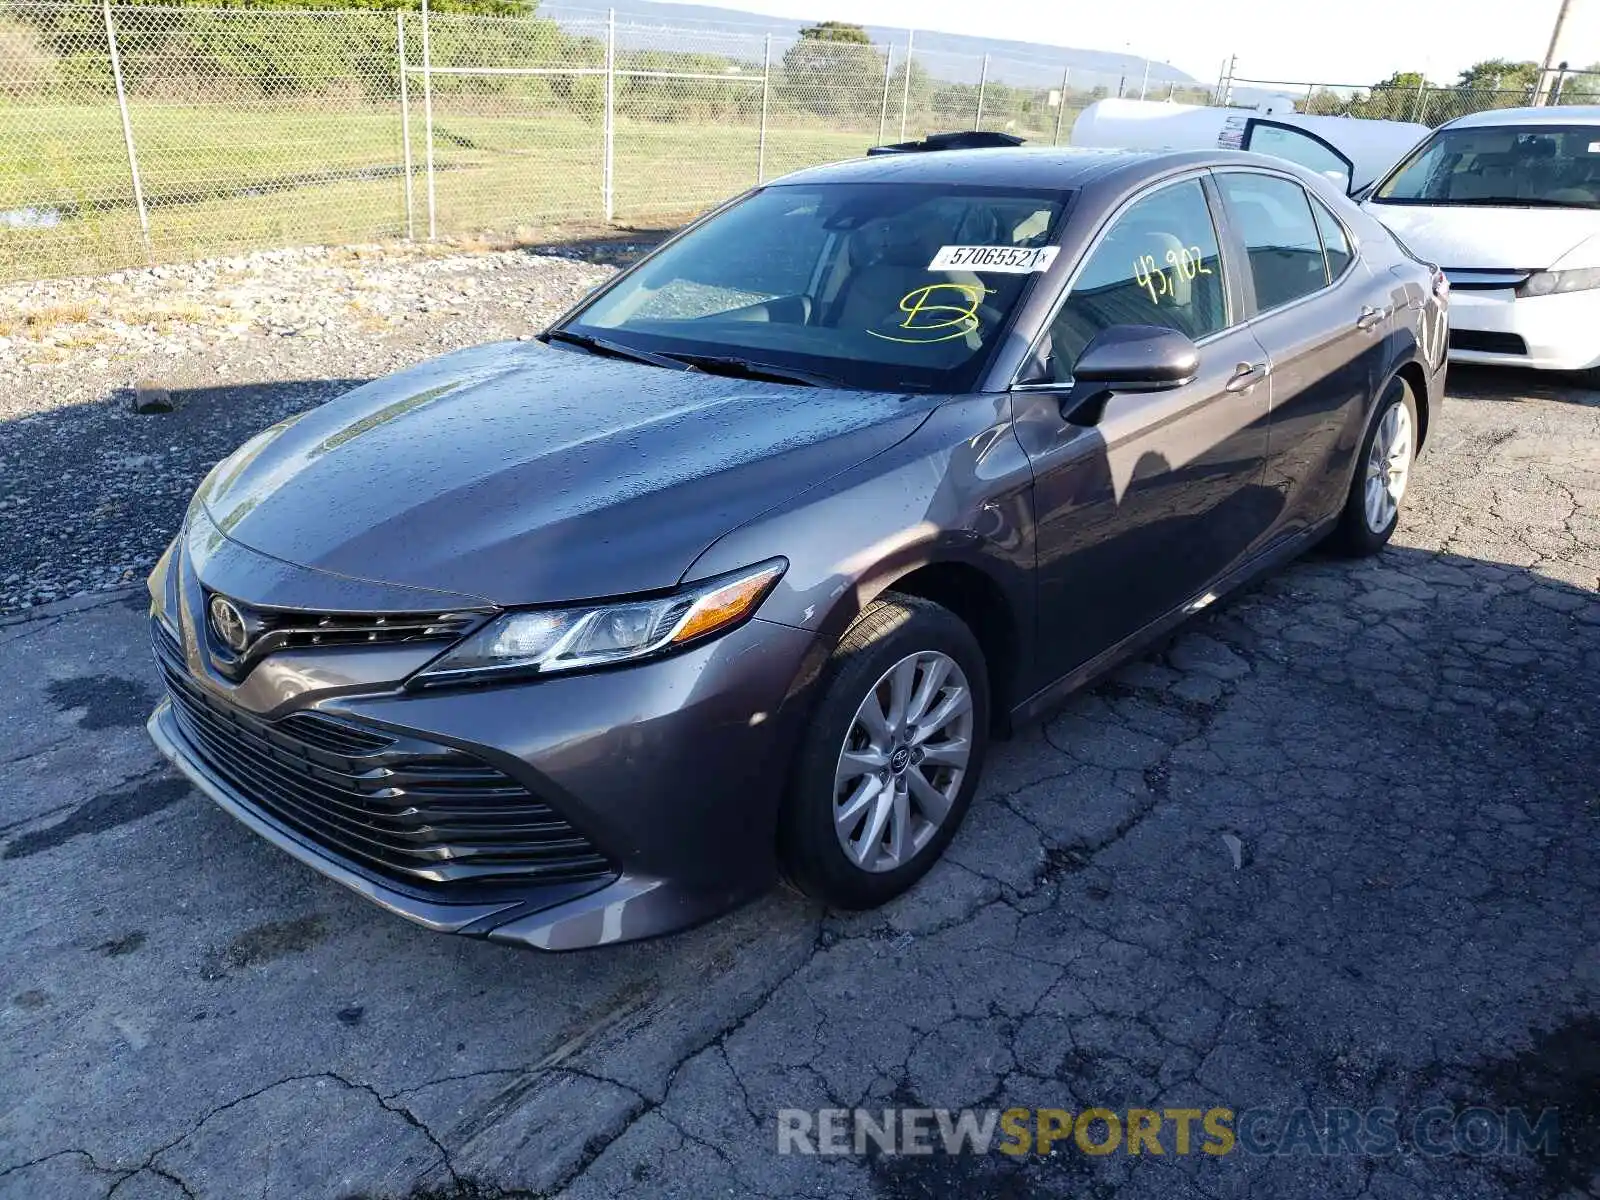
x: 1488, y: 239
x: 520, y: 474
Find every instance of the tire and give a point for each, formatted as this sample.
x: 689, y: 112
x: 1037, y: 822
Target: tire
x: 869, y: 662
x: 1366, y: 523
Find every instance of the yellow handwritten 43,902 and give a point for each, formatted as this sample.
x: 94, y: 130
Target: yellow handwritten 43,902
x: 1186, y: 261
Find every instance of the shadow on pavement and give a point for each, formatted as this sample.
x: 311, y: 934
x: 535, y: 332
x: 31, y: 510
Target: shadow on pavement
x: 1518, y: 384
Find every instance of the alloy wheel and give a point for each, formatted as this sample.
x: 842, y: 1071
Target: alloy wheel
x: 1388, y: 467
x: 903, y: 760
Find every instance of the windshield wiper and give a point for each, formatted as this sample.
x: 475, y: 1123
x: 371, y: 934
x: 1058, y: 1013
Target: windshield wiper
x: 614, y: 349
x: 710, y: 364
x: 741, y: 368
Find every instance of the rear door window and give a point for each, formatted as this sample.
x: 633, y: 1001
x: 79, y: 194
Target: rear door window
x: 1298, y: 146
x: 1273, y: 216
x: 1335, y: 243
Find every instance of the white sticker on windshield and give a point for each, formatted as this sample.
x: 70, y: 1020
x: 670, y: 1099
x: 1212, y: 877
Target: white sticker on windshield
x: 1006, y: 260
x: 1594, y: 147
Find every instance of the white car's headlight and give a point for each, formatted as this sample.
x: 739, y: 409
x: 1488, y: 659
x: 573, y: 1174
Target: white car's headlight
x: 572, y: 639
x: 1551, y: 283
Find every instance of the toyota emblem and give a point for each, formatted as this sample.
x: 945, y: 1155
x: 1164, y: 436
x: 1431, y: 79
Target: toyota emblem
x: 227, y: 622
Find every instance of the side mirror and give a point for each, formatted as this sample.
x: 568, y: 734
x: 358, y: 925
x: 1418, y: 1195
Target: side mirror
x: 1128, y: 358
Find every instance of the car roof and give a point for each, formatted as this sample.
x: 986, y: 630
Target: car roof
x: 1054, y: 167
x: 1562, y: 114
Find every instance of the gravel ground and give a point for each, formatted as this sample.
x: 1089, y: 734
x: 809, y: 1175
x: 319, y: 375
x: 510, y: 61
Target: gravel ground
x: 90, y: 490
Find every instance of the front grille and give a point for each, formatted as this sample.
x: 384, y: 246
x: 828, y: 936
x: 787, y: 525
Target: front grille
x: 420, y: 813
x: 1467, y: 280
x: 1486, y: 342
x: 274, y: 630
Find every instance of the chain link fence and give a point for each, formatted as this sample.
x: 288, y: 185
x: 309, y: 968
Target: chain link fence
x: 147, y: 133
x: 1424, y: 103
x: 144, y: 133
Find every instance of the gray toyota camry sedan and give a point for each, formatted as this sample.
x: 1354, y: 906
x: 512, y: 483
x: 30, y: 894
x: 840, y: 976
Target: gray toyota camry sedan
x: 738, y: 569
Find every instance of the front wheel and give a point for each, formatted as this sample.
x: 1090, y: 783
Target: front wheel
x: 1383, y: 469
x: 889, y: 766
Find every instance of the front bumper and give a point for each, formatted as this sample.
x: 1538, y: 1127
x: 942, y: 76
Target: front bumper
x: 1557, y: 333
x: 670, y: 770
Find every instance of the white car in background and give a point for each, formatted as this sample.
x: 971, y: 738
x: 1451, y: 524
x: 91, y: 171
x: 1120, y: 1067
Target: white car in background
x: 1508, y: 203
x: 1351, y: 151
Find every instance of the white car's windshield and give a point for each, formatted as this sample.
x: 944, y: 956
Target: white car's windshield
x: 1512, y: 166
x: 894, y: 286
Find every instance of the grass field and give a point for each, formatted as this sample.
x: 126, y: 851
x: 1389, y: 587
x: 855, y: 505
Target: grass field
x: 222, y: 178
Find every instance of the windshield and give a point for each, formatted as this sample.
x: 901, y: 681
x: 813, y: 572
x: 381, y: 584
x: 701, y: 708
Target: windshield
x: 1513, y: 166
x: 885, y: 286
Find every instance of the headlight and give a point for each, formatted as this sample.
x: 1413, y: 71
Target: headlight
x: 1550, y: 283
x: 571, y: 639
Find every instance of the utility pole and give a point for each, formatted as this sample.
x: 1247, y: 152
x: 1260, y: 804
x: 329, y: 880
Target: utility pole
x: 1542, y: 96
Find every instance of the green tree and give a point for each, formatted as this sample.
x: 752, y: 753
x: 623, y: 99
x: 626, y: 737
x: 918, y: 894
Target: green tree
x: 836, y: 31
x: 1499, y: 74
x: 1401, y: 80
x: 1582, y: 88
x: 833, y: 71
x: 1397, y: 98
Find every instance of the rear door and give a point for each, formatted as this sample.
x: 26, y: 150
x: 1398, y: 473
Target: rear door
x: 1321, y: 318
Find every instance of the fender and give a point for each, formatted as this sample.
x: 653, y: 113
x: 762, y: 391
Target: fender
x: 957, y: 491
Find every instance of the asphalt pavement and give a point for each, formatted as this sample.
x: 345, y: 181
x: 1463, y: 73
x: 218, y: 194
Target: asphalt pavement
x: 1333, y: 849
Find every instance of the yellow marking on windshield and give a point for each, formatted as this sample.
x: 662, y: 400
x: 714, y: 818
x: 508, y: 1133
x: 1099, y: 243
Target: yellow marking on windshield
x: 932, y: 318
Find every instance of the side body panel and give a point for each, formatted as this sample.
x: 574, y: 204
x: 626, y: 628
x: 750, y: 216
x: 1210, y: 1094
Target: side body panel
x: 1141, y: 512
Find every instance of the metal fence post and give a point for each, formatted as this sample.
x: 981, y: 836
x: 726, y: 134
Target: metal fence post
x: 883, y: 108
x: 983, y: 83
x: 608, y: 162
x: 1061, y: 109
x: 1422, y: 87
x: 905, y: 94
x: 127, y: 126
x: 405, y: 121
x: 427, y: 120
x: 1144, y: 84
x: 766, y: 91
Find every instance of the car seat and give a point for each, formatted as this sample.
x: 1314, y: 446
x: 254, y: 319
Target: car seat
x: 891, y: 263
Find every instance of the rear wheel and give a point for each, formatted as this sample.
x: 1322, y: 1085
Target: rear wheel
x: 889, y: 766
x: 1383, y: 470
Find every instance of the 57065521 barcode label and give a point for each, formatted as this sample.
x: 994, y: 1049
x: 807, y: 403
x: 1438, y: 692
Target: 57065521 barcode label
x: 1009, y: 260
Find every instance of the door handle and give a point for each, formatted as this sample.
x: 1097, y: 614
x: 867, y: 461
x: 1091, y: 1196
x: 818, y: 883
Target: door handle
x: 1246, y: 376
x: 1371, y: 317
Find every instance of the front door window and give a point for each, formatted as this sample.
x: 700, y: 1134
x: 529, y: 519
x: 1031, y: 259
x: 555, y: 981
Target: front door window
x: 1157, y: 265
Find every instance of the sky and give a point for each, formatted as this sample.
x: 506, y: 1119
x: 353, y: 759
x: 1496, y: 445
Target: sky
x: 1351, y: 41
